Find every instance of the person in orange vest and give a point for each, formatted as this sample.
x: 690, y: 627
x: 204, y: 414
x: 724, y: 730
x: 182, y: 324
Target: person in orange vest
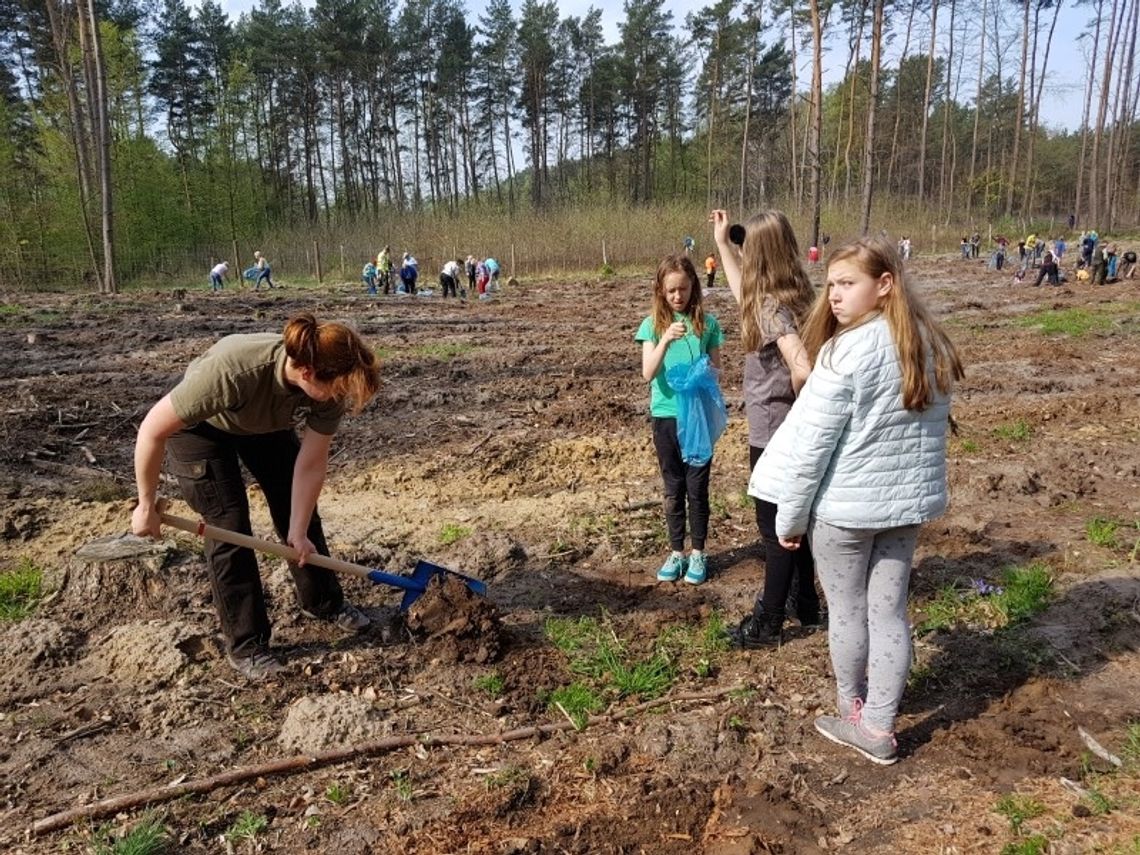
x: 710, y: 270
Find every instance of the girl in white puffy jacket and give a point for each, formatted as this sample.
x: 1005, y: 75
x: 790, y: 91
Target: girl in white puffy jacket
x: 858, y: 464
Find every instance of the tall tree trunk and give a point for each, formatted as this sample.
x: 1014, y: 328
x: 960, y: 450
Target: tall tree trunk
x: 1019, y: 114
x: 872, y: 107
x: 1102, y: 111
x: 926, y: 102
x: 851, y: 112
x: 711, y: 123
x: 817, y: 117
x: 102, y: 120
x: 898, y: 96
x: 797, y: 176
x: 946, y: 102
x: 1126, y: 118
x: 753, y: 30
x: 1034, y: 121
x: 1119, y: 112
x: 1086, y: 114
x: 977, y: 111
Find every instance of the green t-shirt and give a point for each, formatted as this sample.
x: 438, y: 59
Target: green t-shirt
x: 683, y: 351
x: 238, y: 386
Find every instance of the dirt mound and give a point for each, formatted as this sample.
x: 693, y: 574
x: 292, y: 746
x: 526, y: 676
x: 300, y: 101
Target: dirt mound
x: 463, y: 626
x: 315, y: 722
x: 149, y: 653
x: 34, y: 642
x: 487, y: 554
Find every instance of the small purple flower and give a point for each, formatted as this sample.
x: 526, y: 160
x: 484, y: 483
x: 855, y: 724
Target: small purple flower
x: 984, y: 589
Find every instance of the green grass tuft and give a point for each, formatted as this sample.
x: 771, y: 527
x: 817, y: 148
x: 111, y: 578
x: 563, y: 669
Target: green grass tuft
x: 443, y: 351
x: 1018, y: 431
x: 246, y: 827
x: 647, y: 679
x: 338, y: 793
x: 149, y: 837
x: 1021, y: 593
x: 1075, y: 322
x: 450, y: 533
x: 1102, y: 532
x: 20, y: 590
x: 1017, y: 809
x: 1028, y: 591
x: 578, y: 701
x: 1035, y: 845
x: 493, y: 684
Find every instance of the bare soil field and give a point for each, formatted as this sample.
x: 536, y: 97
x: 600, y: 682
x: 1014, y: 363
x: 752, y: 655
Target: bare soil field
x: 510, y: 442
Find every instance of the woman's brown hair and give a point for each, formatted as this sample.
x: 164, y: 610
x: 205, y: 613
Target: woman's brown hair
x: 337, y: 356
x: 770, y: 266
x: 912, y: 326
x: 662, y: 311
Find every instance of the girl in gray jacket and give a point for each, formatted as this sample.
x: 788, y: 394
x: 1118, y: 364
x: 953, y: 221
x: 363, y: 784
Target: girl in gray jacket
x: 857, y: 466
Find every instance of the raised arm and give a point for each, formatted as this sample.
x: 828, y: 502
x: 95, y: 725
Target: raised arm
x: 729, y: 252
x: 150, y: 446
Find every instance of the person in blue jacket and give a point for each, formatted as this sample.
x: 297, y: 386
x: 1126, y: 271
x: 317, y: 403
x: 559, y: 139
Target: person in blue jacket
x: 857, y: 466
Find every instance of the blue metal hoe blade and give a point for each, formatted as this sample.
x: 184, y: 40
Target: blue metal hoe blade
x: 414, y: 585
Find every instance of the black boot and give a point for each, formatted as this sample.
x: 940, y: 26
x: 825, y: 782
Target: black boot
x: 758, y: 630
x: 809, y: 615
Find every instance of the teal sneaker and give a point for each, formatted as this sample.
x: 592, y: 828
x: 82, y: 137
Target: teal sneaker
x: 672, y: 569
x: 698, y: 568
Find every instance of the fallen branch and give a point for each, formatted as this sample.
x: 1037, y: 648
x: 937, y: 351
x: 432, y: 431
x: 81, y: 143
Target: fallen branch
x: 1098, y: 749
x: 300, y: 762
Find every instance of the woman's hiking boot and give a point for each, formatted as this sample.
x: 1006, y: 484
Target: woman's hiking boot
x: 758, y: 630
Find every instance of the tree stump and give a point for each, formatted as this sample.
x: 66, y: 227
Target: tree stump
x: 120, y: 575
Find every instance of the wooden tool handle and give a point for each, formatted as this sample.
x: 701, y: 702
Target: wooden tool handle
x: 272, y: 547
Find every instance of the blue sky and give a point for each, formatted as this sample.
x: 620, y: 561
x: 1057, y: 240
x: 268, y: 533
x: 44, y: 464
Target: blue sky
x: 1068, y: 60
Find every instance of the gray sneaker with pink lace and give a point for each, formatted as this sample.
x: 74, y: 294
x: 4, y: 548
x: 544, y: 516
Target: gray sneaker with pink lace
x: 877, y: 746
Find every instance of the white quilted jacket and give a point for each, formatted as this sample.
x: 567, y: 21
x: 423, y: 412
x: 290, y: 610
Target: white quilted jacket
x: 849, y: 453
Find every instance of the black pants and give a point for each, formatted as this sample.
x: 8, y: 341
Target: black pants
x: 711, y: 278
x: 1049, y: 271
x: 782, y: 566
x: 682, y: 482
x: 207, y: 463
x: 448, y: 283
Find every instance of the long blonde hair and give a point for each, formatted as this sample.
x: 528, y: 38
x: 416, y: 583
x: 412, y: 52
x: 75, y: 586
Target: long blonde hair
x: 912, y: 327
x: 337, y: 356
x: 662, y: 311
x: 770, y: 266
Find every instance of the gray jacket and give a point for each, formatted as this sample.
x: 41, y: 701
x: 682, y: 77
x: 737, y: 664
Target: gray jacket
x: 849, y: 453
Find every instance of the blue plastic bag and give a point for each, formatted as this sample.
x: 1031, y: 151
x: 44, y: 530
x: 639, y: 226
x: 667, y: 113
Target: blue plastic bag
x: 250, y: 274
x: 701, y: 413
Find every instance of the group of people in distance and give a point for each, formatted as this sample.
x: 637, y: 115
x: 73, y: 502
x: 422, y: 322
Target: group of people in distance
x: 847, y: 396
x: 482, y: 276
x: 257, y: 274
x: 1098, y: 262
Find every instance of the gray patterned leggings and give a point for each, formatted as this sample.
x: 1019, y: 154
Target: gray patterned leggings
x: 865, y: 574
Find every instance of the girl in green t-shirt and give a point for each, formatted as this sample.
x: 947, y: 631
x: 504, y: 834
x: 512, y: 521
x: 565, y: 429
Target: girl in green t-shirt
x: 677, y: 332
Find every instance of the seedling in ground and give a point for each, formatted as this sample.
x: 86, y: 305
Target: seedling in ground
x: 450, y: 533
x: 338, y: 793
x: 1017, y: 809
x: 20, y: 590
x: 1101, y: 532
x: 1018, y: 431
x: 1035, y: 845
x: 493, y: 684
x: 147, y: 838
x: 402, y: 785
x: 247, y: 827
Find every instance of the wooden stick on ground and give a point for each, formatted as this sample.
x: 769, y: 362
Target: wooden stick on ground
x: 300, y: 762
